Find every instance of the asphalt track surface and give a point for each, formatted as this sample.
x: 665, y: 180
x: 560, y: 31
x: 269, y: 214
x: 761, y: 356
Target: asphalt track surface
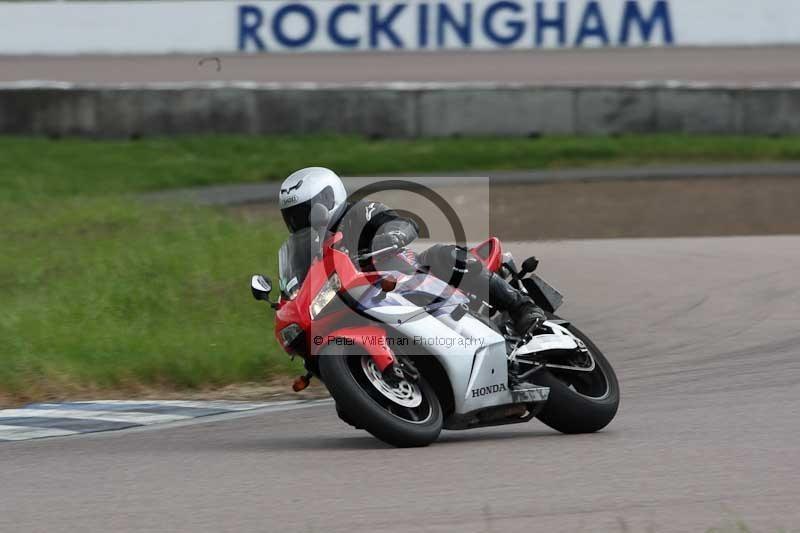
x: 704, y: 336
x: 738, y: 66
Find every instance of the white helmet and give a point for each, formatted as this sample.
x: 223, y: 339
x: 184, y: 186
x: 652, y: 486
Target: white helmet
x: 306, y: 187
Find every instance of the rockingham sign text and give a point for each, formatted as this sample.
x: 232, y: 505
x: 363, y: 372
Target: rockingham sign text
x: 453, y: 24
x: 268, y: 26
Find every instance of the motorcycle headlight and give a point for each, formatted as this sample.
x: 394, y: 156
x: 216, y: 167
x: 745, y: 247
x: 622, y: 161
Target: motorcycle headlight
x: 325, y: 295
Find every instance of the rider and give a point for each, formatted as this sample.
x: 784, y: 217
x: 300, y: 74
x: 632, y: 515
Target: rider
x: 369, y: 226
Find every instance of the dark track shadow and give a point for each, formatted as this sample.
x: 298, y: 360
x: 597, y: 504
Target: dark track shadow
x: 467, y: 436
x: 360, y: 440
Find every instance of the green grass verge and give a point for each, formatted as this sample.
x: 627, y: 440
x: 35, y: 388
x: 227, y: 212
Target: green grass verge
x: 35, y: 168
x: 104, y: 293
x: 99, y: 291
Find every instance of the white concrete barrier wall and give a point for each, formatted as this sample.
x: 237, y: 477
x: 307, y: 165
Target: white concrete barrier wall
x: 227, y: 26
x: 395, y: 110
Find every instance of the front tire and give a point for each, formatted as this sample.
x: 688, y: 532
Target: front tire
x: 580, y: 403
x: 360, y: 399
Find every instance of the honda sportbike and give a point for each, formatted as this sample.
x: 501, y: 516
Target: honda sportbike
x: 458, y: 362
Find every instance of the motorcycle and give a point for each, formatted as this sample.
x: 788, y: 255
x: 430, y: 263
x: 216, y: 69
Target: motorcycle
x: 458, y: 362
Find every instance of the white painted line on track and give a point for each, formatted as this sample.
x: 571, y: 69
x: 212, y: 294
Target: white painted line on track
x: 108, y: 416
x: 212, y: 404
x: 25, y: 433
x: 276, y: 407
x: 35, y: 419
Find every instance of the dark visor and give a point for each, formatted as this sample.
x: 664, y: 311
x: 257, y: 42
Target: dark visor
x: 296, y: 217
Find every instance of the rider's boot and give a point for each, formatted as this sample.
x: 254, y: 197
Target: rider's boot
x: 527, y: 316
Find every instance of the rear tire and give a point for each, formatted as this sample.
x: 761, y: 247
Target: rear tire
x: 362, y: 406
x: 569, y: 411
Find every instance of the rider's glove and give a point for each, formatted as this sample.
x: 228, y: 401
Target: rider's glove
x: 388, y: 240
x: 398, y: 233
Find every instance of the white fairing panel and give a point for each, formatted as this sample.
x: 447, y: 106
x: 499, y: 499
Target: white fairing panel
x: 472, y: 354
x: 559, y: 339
x: 394, y: 309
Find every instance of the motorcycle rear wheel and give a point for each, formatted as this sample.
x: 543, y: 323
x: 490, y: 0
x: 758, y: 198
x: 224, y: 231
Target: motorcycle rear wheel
x: 366, y: 404
x: 580, y: 402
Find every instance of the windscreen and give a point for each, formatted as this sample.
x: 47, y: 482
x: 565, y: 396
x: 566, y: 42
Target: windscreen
x: 295, y: 258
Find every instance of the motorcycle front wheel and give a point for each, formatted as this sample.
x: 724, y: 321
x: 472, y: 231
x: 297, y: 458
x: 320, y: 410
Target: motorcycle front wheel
x: 405, y: 416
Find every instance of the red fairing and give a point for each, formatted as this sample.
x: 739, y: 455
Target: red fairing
x: 490, y: 253
x: 372, y: 338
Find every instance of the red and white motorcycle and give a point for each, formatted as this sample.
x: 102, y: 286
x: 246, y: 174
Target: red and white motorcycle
x: 462, y: 364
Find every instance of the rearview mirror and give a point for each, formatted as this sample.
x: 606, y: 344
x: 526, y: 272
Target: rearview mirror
x: 529, y: 265
x: 319, y: 217
x: 261, y: 286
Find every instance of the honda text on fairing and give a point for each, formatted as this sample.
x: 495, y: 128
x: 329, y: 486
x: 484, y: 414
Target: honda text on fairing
x: 459, y: 360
